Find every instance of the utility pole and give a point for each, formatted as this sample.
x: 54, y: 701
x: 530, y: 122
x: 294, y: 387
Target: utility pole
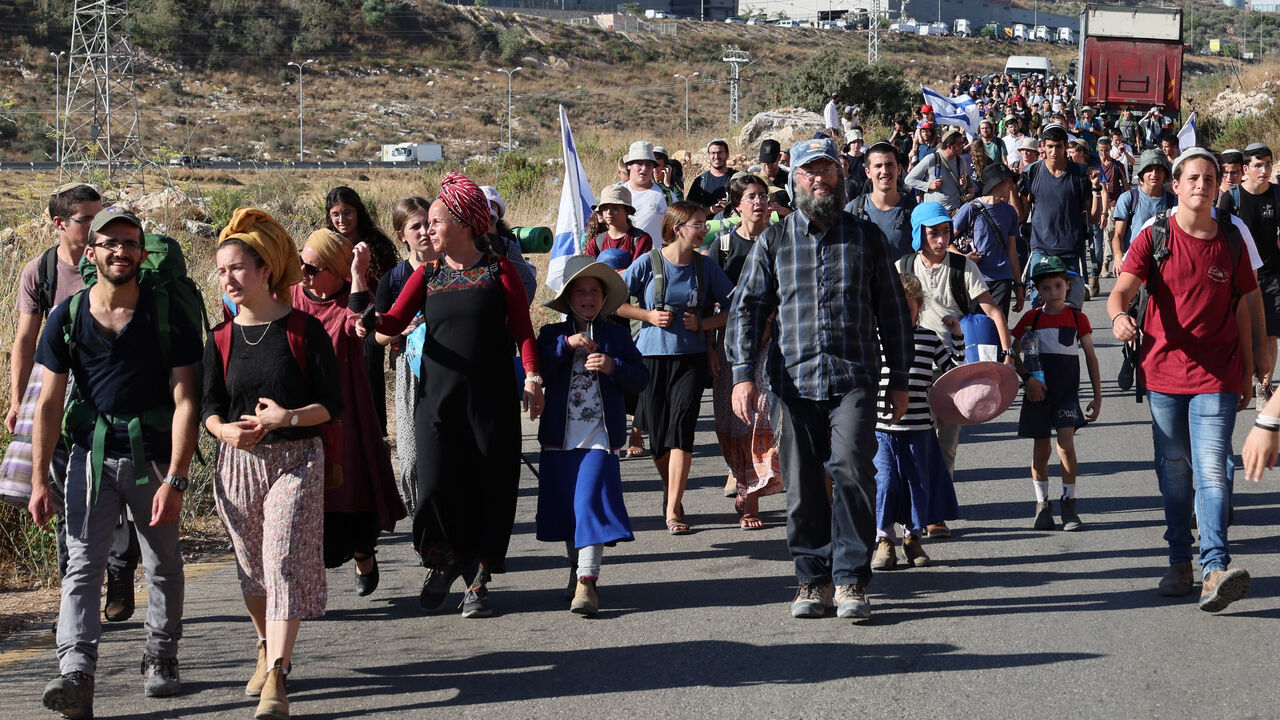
x: 294, y: 64
x: 736, y: 59
x: 57, y: 107
x: 686, y: 79
x: 101, y: 129
x: 509, y: 74
x: 873, y: 33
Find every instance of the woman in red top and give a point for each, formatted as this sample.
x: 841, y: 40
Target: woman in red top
x: 467, y: 424
x: 616, y: 210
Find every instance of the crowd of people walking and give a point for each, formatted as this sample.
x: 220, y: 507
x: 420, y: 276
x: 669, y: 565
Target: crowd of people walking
x: 845, y: 302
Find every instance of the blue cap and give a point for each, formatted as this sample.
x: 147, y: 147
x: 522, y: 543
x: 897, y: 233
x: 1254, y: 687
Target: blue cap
x: 616, y: 258
x: 926, y: 214
x: 805, y: 152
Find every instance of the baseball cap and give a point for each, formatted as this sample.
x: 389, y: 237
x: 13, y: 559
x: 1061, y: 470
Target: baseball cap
x: 806, y: 151
x: 926, y: 108
x: 1048, y: 266
x: 112, y: 214
x: 769, y: 151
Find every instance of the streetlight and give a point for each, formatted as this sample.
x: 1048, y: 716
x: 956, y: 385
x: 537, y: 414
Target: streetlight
x: 686, y: 79
x: 294, y: 64
x: 509, y: 74
x: 57, y: 116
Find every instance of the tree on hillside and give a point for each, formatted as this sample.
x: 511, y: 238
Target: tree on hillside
x: 880, y: 90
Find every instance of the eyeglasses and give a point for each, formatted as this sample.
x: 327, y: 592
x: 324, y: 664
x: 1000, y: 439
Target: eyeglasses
x: 117, y: 246
x: 80, y: 220
x: 695, y: 225
x: 821, y: 170
x: 308, y: 269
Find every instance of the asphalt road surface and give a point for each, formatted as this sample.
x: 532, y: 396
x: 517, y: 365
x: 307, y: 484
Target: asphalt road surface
x: 1008, y: 622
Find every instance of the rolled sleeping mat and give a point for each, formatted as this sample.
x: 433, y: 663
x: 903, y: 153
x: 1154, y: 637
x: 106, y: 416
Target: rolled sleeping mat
x: 715, y: 227
x: 534, y: 239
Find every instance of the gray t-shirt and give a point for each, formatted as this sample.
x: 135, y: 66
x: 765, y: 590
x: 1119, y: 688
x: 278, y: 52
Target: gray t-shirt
x: 895, y: 223
x: 28, y: 301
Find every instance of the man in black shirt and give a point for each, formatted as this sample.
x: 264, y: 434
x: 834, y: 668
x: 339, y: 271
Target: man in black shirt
x: 711, y: 188
x: 135, y: 407
x: 1255, y: 202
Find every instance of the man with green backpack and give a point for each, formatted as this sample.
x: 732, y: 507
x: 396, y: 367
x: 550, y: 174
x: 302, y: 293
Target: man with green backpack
x: 131, y: 427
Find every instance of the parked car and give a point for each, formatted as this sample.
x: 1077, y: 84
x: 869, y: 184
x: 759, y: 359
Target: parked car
x: 735, y: 21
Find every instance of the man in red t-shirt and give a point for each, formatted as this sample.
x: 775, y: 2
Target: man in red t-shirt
x: 1198, y: 360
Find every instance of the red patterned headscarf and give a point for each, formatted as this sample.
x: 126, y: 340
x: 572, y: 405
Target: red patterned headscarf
x: 466, y: 201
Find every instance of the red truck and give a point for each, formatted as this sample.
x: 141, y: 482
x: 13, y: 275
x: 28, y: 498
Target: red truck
x: 1130, y: 57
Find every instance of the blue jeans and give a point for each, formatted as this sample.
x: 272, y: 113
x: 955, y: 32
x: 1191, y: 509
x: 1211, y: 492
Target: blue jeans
x: 830, y: 541
x: 1192, y: 435
x: 1075, y: 283
x: 1099, y: 241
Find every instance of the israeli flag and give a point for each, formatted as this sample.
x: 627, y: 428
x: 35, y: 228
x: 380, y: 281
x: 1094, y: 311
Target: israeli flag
x: 959, y: 111
x: 1187, y: 135
x: 576, y: 200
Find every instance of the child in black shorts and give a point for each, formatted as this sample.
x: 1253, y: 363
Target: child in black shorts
x: 1049, y: 338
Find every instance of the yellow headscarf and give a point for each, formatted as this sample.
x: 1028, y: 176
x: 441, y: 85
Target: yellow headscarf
x: 261, y: 232
x: 335, y: 251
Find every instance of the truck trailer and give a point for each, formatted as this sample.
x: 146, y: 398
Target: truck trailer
x: 411, y: 153
x: 1130, y: 57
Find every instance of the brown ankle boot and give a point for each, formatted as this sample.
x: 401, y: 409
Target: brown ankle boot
x: 254, y: 688
x: 273, y: 704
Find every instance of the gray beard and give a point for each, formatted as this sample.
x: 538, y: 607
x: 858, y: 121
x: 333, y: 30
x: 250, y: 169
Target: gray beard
x: 824, y: 210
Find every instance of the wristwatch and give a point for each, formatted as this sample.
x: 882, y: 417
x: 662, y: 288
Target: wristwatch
x: 536, y: 379
x: 293, y: 419
x: 177, y: 482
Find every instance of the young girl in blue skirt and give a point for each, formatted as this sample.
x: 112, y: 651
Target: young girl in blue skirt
x: 913, y: 485
x: 589, y: 364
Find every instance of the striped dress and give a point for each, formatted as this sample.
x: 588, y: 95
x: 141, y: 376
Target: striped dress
x: 913, y: 486
x: 932, y: 357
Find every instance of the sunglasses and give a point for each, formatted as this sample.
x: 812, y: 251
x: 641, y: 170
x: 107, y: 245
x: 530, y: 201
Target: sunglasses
x: 308, y: 269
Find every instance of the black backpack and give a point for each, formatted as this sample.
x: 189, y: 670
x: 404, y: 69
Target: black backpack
x: 1138, y: 305
x: 47, y: 281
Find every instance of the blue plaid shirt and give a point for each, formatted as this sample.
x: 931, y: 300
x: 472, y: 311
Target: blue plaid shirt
x: 830, y: 293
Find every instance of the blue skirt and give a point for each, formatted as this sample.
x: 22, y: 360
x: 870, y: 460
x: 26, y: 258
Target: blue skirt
x: 580, y: 498
x: 913, y: 486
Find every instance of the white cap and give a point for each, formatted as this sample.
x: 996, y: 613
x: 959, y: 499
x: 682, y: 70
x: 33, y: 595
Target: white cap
x: 491, y: 194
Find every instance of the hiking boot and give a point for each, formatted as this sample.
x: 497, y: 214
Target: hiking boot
x: 1093, y: 286
x: 914, y: 550
x: 475, y: 603
x: 886, y: 558
x: 812, y: 600
x: 1070, y: 520
x: 71, y: 695
x: 120, y: 603
x: 1044, y: 516
x: 160, y: 676
x: 1220, y: 588
x: 254, y: 687
x: 585, y: 600
x: 938, y: 531
x: 273, y: 704
x: 1177, y: 581
x: 435, y: 588
x: 851, y: 602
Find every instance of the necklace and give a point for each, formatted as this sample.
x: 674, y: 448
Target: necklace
x: 260, y: 337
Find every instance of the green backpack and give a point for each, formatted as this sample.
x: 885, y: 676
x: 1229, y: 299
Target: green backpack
x: 164, y: 272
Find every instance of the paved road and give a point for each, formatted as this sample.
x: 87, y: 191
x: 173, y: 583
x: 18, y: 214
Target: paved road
x: 1009, y: 622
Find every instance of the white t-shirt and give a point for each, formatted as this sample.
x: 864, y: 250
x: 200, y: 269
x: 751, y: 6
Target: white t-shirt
x: 651, y: 206
x: 585, y: 428
x: 831, y: 115
x: 1011, y: 144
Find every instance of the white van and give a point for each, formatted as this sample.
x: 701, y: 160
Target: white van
x: 1020, y: 66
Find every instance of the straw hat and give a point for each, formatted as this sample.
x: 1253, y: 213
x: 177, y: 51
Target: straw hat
x: 580, y: 266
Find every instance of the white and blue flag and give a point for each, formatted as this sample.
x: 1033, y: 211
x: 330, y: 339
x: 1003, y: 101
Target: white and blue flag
x: 576, y: 200
x: 959, y: 111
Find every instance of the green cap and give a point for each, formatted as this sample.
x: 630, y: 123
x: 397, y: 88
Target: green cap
x: 1048, y: 266
x: 111, y: 215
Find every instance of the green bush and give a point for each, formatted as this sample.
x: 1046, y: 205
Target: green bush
x: 511, y: 43
x: 881, y: 89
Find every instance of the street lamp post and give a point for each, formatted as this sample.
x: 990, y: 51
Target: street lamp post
x: 294, y: 64
x: 686, y: 79
x: 509, y: 74
x: 57, y: 114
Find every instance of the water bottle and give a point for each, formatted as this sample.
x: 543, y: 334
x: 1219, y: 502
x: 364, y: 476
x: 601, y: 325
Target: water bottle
x: 1031, y: 355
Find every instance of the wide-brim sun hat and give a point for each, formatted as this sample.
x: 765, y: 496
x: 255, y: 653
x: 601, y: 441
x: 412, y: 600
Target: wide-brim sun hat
x: 616, y: 194
x: 640, y: 151
x: 973, y: 393
x: 1152, y: 158
x: 580, y: 266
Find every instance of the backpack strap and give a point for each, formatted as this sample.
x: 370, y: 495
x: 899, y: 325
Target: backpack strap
x: 659, y: 280
x: 955, y: 278
x: 47, y: 274
x: 860, y: 207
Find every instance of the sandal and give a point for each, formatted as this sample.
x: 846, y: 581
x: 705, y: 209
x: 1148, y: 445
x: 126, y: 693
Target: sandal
x: 750, y: 521
x: 635, y: 448
x: 677, y: 526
